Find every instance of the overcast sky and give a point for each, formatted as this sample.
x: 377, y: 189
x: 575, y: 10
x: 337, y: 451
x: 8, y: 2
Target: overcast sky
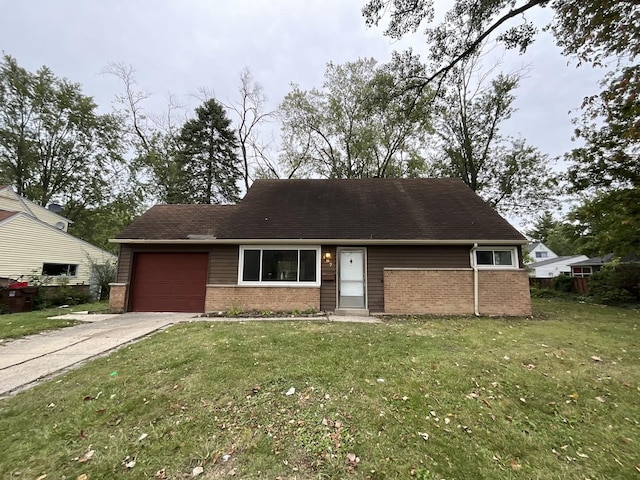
x: 177, y: 46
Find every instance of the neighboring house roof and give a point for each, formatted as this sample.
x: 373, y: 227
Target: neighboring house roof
x: 595, y: 261
x: 550, y: 261
x: 4, y: 214
x: 32, y: 208
x: 367, y: 210
x: 532, y: 246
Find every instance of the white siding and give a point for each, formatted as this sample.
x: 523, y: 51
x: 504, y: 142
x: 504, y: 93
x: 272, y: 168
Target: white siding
x: 26, y: 243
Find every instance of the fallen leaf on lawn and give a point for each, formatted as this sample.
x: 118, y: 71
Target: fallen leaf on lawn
x: 42, y: 477
x: 447, y: 420
x: 638, y: 467
x: 506, y: 357
x: 197, y: 471
x: 574, y: 396
x: 600, y: 399
x: 142, y: 437
x: 515, y: 465
x: 290, y: 392
x: 87, y: 456
x: 84, y: 476
x: 595, y: 358
x: 424, y: 435
x: 352, y: 458
x: 523, y: 400
x: 83, y: 435
x: 129, y: 462
x: 380, y: 380
x: 161, y: 474
x: 582, y: 455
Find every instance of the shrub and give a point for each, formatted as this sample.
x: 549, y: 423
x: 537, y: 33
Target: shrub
x: 563, y: 283
x: 616, y: 284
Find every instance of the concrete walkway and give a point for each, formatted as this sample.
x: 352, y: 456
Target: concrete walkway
x: 26, y: 361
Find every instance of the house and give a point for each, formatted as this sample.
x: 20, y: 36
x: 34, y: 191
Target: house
x: 539, y: 252
x: 351, y: 246
x: 553, y: 267
x: 588, y: 267
x: 34, y: 243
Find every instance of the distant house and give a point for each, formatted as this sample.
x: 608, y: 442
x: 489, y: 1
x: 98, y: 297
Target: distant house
x: 588, y: 267
x: 34, y: 242
x: 350, y: 246
x: 539, y: 252
x: 554, y: 266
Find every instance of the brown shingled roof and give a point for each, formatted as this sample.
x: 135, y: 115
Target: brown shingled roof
x: 440, y: 209
x: 4, y: 214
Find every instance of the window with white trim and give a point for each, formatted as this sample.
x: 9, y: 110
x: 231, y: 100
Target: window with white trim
x: 279, y: 266
x: 496, y: 257
x: 581, y: 271
x: 542, y: 254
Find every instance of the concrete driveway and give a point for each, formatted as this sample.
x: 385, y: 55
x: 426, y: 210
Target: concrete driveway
x: 25, y: 361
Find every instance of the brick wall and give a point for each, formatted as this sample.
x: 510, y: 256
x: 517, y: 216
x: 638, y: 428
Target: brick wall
x: 504, y: 292
x: 431, y: 291
x: 223, y: 298
x: 450, y: 292
x: 118, y: 297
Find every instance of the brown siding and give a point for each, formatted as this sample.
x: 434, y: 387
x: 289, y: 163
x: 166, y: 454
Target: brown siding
x: 223, y: 265
x: 328, y: 286
x: 381, y: 257
x: 125, y: 258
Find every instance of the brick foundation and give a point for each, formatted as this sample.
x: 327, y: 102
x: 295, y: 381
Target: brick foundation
x: 450, y: 292
x: 118, y: 297
x: 220, y: 298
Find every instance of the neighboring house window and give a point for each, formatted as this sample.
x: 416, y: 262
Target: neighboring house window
x: 541, y: 254
x: 496, y: 258
x: 581, y: 271
x: 59, y: 269
x: 279, y: 265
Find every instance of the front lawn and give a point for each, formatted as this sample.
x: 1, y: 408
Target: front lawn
x: 18, y: 325
x: 555, y: 397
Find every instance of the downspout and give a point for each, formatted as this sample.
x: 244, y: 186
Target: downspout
x: 472, y: 255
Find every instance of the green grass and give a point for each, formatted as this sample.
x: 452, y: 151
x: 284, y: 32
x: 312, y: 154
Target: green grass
x: 554, y: 397
x: 18, y: 325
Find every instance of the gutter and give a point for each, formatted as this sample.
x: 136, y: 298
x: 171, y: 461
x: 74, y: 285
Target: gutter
x: 205, y: 239
x: 476, y: 303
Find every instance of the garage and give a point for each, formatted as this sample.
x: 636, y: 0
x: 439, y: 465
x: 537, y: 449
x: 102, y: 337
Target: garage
x: 168, y: 282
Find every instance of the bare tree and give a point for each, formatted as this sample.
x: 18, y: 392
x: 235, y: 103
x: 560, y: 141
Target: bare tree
x: 251, y: 112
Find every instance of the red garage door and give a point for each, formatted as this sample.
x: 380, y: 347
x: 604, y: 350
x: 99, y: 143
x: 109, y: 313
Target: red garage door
x: 168, y: 282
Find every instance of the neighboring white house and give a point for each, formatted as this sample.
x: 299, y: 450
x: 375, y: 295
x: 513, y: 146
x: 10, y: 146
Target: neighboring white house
x: 554, y: 266
x: 34, y: 242
x: 539, y: 252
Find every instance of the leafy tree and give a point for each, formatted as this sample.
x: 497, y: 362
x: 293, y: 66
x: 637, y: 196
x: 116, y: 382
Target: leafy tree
x: 560, y: 236
x: 53, y: 143
x: 209, y: 165
x: 363, y: 122
x: 512, y: 176
x: 599, y: 32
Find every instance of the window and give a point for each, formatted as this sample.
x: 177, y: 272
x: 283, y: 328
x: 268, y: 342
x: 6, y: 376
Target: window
x: 278, y: 266
x: 496, y: 258
x: 581, y: 271
x: 59, y: 269
x: 541, y: 254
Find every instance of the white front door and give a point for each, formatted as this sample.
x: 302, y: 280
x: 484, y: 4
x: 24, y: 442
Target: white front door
x: 351, y: 287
